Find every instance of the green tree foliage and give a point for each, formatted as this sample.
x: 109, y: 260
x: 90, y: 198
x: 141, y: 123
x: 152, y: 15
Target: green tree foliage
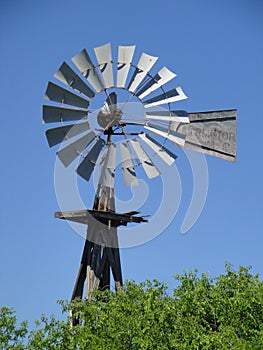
x: 225, y: 312
x: 11, y: 335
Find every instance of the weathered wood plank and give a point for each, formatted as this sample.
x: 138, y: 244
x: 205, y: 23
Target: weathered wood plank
x: 85, y: 216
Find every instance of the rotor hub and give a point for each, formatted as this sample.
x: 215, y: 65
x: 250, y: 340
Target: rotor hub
x: 111, y: 118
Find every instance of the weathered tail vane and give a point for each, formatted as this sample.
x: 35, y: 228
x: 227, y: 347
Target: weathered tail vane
x: 212, y: 132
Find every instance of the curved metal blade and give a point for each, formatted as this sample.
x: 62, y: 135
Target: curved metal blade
x: 58, y: 94
x: 110, y: 104
x: 125, y: 55
x: 86, y: 167
x: 67, y: 76
x: 128, y: 170
x: 53, y: 114
x: 172, y: 135
x: 108, y: 167
x: 83, y: 62
x: 104, y: 58
x: 144, y: 65
x: 112, y: 99
x: 161, y: 78
x: 58, y: 135
x: 167, y: 156
x: 167, y: 97
x: 172, y: 116
x: 74, y: 149
x: 150, y: 169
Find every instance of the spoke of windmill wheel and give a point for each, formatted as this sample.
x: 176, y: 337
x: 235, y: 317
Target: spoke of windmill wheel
x: 67, y: 76
x: 104, y: 58
x: 108, y: 167
x: 148, y: 166
x: 132, y: 121
x: 58, y: 135
x: 125, y: 55
x: 53, y: 114
x: 83, y: 62
x: 173, y: 95
x: 74, y: 149
x: 58, y: 94
x: 174, y: 136
x: 144, y: 65
x: 161, y: 78
x: 164, y: 115
x: 167, y: 156
x: 86, y: 167
x: 128, y: 170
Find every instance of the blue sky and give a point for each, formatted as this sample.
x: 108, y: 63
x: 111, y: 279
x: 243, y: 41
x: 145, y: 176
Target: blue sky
x: 216, y: 49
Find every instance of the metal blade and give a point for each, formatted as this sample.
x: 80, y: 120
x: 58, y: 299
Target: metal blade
x: 128, y: 170
x: 74, y: 149
x: 110, y: 104
x: 112, y: 99
x: 164, y: 115
x: 125, y: 55
x: 161, y: 78
x: 167, y: 97
x: 86, y: 167
x: 83, y: 62
x: 108, y: 167
x: 148, y: 166
x: 144, y: 65
x: 174, y: 136
x: 104, y: 58
x: 53, y: 114
x: 57, y: 135
x: 58, y: 94
x: 167, y: 156
x: 212, y: 132
x: 67, y: 76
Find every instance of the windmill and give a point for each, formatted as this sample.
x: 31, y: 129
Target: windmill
x: 134, y: 114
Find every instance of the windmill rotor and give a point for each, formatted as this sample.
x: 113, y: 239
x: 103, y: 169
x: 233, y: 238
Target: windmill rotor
x: 113, y: 119
x: 95, y: 122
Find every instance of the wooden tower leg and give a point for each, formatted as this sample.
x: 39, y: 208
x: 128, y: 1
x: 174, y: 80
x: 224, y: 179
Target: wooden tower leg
x: 101, y: 253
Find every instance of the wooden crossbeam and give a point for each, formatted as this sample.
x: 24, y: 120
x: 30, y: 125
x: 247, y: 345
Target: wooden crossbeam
x: 85, y: 217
